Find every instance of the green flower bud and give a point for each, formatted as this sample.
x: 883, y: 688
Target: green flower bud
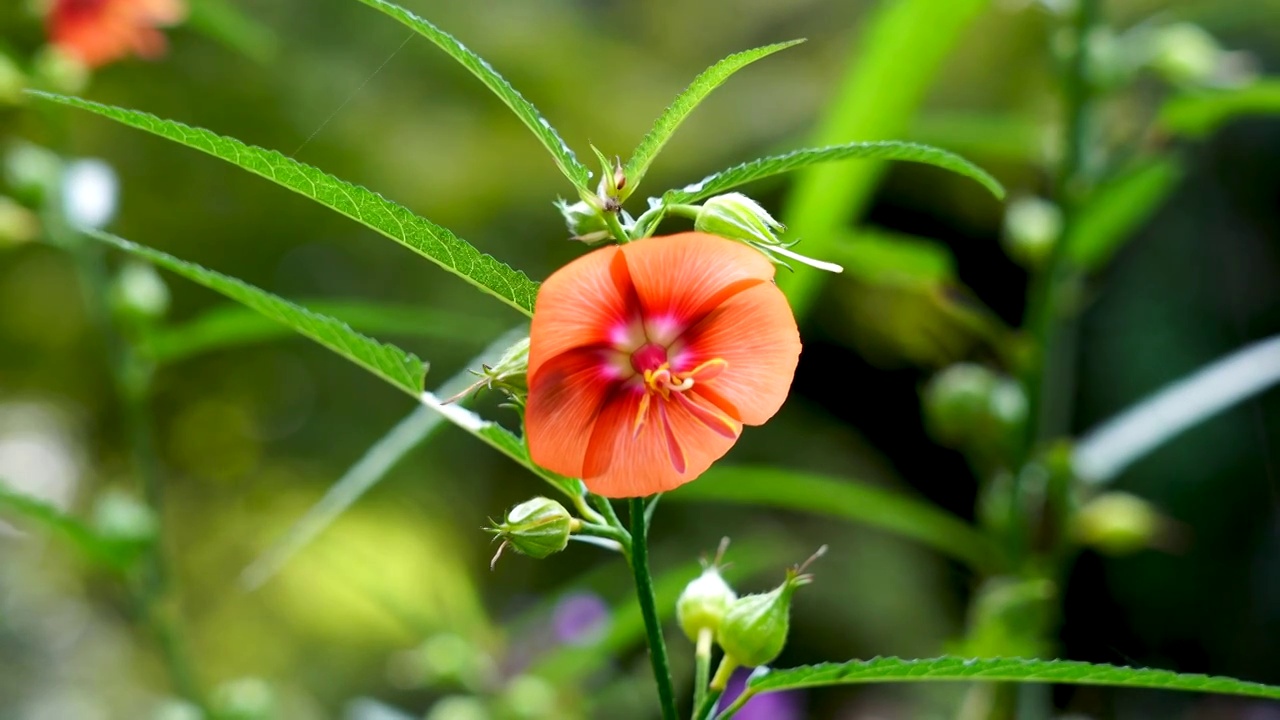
x: 17, y: 223
x: 970, y: 406
x: 537, y: 528
x: 139, y: 293
x: 124, y: 520
x: 754, y: 629
x: 245, y: 699
x: 58, y: 71
x: 528, y: 697
x: 33, y: 172
x: 1032, y: 226
x: 12, y: 81
x: 704, y: 602
x: 1185, y: 54
x: 1117, y: 523
x: 459, y: 707
x: 737, y: 217
x: 444, y: 659
x: 509, y: 374
x: 584, y: 221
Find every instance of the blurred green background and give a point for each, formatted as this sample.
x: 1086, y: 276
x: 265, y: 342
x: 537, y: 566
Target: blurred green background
x: 250, y: 437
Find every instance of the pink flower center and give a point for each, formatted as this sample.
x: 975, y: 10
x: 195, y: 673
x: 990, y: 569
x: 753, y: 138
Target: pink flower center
x: 648, y: 357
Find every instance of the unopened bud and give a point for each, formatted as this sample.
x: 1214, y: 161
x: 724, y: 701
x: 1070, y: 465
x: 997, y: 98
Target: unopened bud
x: 12, y: 81
x: 703, y: 603
x: 737, y: 217
x: 537, y: 528
x: 33, y: 172
x: 754, y: 628
x: 139, y: 292
x: 245, y: 699
x: 583, y: 221
x: 1186, y: 54
x: 17, y: 223
x: 59, y: 71
x: 968, y: 404
x: 1032, y: 227
x: 509, y: 374
x: 459, y: 707
x: 1117, y: 523
x: 121, y: 518
x: 613, y: 179
x: 529, y: 697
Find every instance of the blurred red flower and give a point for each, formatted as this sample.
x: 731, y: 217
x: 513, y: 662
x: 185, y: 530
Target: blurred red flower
x: 99, y: 32
x: 646, y: 359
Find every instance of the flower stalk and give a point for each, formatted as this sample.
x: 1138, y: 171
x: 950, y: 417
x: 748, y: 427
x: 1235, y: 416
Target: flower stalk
x: 649, y: 609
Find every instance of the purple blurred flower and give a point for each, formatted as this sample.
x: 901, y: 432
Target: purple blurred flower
x: 580, y: 619
x: 786, y: 705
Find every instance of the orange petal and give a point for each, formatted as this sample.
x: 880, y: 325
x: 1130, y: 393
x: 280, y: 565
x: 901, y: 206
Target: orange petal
x: 755, y: 333
x: 584, y: 303
x: 679, y: 278
x: 564, y: 399
x: 622, y: 464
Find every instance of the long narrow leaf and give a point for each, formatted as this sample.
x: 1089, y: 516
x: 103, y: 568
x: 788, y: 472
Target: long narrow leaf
x: 388, y: 362
x: 1197, y: 114
x: 1117, y: 209
x: 409, y: 433
x: 951, y: 669
x: 1104, y: 452
x: 234, y: 325
x: 899, y: 51
x: 500, y: 439
x: 54, y: 521
x: 880, y: 150
x: 364, y: 206
x: 844, y: 499
x: 692, y: 96
x: 528, y: 114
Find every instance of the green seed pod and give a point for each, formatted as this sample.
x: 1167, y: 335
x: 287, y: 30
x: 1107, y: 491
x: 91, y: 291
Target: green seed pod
x: 537, y: 528
x: 754, y: 628
x: 584, y: 221
x: 1117, y: 523
x: 704, y: 602
x: 955, y: 401
x: 1032, y: 226
x: 737, y: 217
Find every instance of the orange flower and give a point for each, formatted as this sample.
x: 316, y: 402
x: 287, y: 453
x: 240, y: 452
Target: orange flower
x: 646, y: 359
x: 98, y: 32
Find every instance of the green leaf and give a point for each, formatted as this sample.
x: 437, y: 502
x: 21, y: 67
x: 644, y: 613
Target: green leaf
x: 884, y: 258
x: 1006, y: 138
x: 236, y: 326
x: 388, y: 362
x: 1199, y: 114
x: 227, y: 24
x: 51, y: 519
x: 528, y: 114
x: 1118, y: 208
x: 841, y: 498
x: 500, y: 439
x: 949, y: 669
x: 365, y: 207
x: 410, y: 433
x: 899, y: 51
x: 1107, y: 450
x: 880, y: 150
x: 692, y: 96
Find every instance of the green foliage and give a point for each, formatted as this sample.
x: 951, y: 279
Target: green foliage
x: 408, y: 434
x: 528, y: 114
x: 231, y: 326
x: 226, y: 23
x: 892, y: 259
x: 365, y: 207
x: 1200, y: 113
x: 899, y: 52
x: 844, y: 499
x: 84, y: 539
x: 388, y: 362
x: 692, y: 96
x: 1117, y: 209
x: 881, y: 150
x: 945, y: 669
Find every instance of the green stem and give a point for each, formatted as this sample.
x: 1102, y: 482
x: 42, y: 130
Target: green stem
x: 702, y: 666
x: 716, y: 689
x: 649, y: 609
x: 131, y: 377
x: 615, y: 226
x: 604, y: 531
